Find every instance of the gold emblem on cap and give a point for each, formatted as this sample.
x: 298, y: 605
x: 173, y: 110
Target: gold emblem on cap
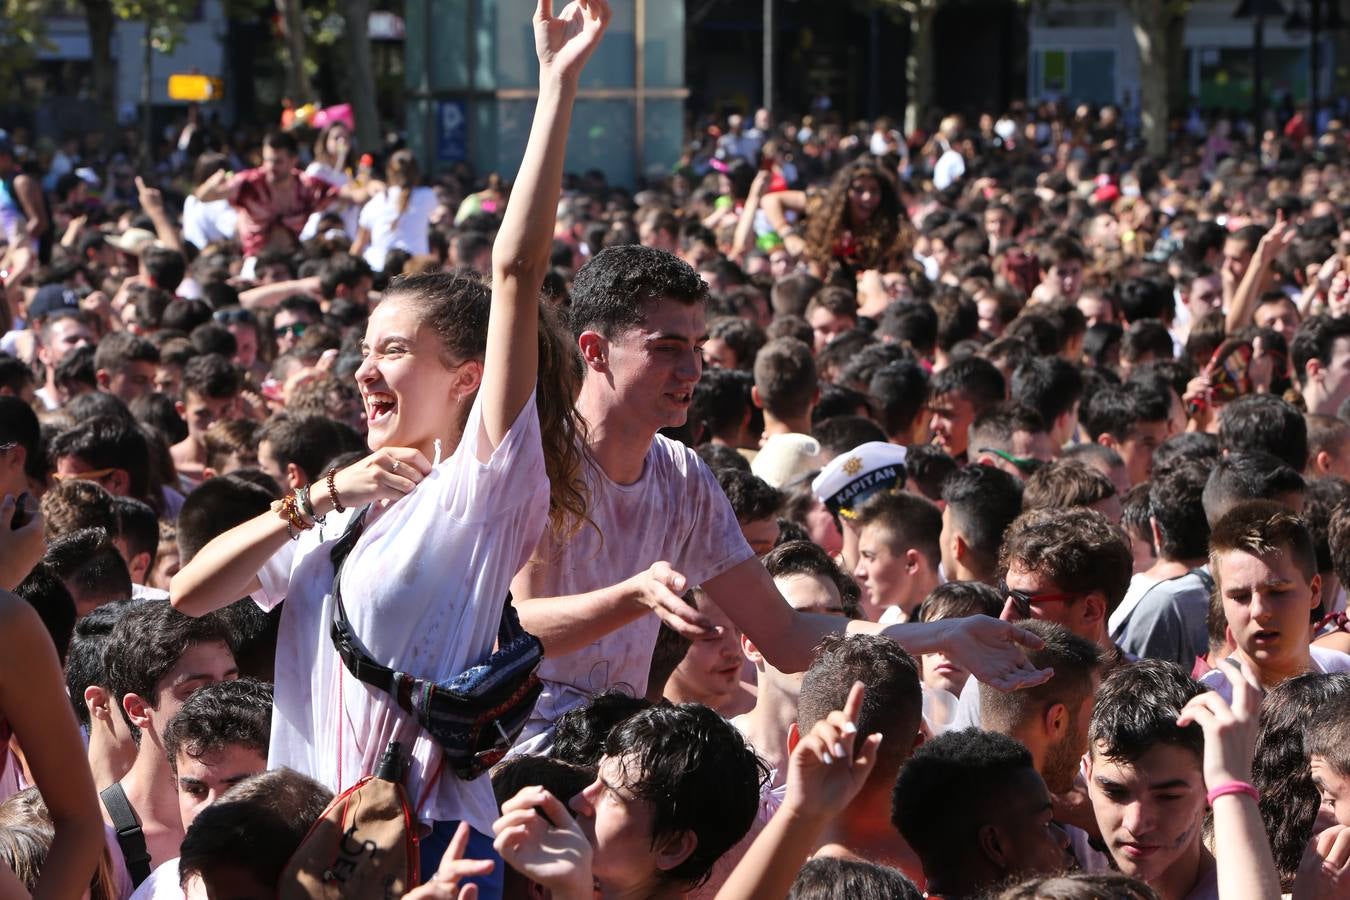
x: 852, y: 466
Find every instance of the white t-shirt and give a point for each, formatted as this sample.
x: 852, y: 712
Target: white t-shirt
x: 1324, y: 660
x: 207, y: 223
x: 675, y: 512
x: 348, y: 211
x: 389, y: 230
x: 950, y: 166
x: 163, y: 885
x: 424, y: 589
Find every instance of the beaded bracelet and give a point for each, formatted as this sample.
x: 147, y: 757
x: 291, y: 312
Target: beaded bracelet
x: 332, y: 492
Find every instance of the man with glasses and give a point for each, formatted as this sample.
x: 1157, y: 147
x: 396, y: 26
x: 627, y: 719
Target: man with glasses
x: 1011, y: 437
x: 293, y: 316
x: 1067, y: 566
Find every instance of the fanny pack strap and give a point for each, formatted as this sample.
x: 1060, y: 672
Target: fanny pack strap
x: 399, y: 685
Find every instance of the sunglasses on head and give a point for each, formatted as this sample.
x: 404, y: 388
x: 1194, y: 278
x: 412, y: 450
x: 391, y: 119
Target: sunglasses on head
x: 1022, y: 600
x: 233, y: 317
x: 1023, y: 464
x: 92, y: 475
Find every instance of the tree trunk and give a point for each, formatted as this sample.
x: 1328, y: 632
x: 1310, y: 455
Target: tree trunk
x: 1177, y: 73
x: 919, y: 66
x: 361, y: 74
x: 98, y: 16
x: 1150, y: 38
x: 298, y: 87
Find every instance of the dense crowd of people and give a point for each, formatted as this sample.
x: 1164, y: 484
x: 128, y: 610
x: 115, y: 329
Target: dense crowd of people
x: 842, y: 513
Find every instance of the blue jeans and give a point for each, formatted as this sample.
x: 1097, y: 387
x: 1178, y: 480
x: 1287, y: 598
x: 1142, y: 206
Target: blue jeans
x: 433, y: 847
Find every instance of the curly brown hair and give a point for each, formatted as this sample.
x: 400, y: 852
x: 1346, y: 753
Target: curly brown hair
x: 885, y: 236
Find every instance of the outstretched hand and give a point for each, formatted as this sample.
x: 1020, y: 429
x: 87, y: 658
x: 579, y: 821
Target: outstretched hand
x: 824, y: 773
x: 564, y: 42
x: 994, y: 651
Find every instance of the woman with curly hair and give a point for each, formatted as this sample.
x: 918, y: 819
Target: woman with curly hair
x: 858, y: 224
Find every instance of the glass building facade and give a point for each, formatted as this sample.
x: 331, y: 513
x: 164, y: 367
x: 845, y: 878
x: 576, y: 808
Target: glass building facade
x: 472, y: 81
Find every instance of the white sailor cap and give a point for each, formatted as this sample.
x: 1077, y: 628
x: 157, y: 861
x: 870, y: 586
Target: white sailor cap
x: 852, y: 477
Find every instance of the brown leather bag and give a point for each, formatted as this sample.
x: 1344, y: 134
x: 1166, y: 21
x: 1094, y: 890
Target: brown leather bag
x: 363, y: 846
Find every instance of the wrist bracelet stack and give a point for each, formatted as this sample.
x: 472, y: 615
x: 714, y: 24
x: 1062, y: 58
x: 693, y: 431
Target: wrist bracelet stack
x: 288, y: 508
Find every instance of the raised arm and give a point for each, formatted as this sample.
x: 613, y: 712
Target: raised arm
x: 33, y: 700
x: 1241, y: 849
x: 152, y: 202
x: 1253, y: 283
x: 520, y: 254
x: 992, y: 650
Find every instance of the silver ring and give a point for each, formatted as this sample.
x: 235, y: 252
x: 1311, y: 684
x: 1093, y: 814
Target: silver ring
x: 394, y: 467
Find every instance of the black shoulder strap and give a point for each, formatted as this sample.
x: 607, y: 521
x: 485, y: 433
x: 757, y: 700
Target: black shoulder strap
x: 130, y: 836
x: 1205, y: 578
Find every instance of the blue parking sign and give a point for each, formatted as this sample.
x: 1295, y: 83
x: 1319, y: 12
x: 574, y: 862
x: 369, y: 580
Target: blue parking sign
x: 452, y: 131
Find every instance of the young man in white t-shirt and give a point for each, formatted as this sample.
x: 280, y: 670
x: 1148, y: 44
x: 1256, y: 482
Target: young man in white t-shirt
x: 218, y: 739
x: 1263, y: 562
x: 659, y: 523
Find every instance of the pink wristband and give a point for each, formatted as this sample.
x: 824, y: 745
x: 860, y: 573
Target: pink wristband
x: 1233, y: 787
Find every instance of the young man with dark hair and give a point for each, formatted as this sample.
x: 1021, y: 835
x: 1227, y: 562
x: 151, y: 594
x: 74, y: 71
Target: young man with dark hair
x: 1066, y: 483
x: 1238, y: 477
x: 1010, y: 437
x: 124, y: 365
x: 1050, y: 719
x: 786, y: 387
x: 59, y: 335
x: 1053, y: 387
x: 217, y: 740
x: 958, y: 394
x: 90, y: 567
x: 21, y: 460
x: 892, y: 706
x: 1328, y: 447
x: 756, y: 504
x: 214, y: 508
x: 211, y: 388
x: 293, y: 317
x: 899, y: 553
x: 1327, y: 741
x: 137, y: 539
x: 978, y: 814
x: 638, y: 315
x: 1146, y: 781
x: 1104, y: 459
x: 1264, y: 423
x: 346, y: 277
x: 155, y: 658
x: 677, y: 788
x: 1265, y: 569
x: 1067, y: 566
x: 733, y: 343
x: 1164, y: 614
x: 1062, y: 266
x: 721, y: 407
x: 979, y: 503
x: 240, y: 845
x: 163, y: 267
x: 943, y: 679
x: 831, y: 312
x: 1320, y: 353
x: 108, y: 450
x: 900, y: 392
x: 112, y: 748
x: 297, y: 450
x: 1130, y: 419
